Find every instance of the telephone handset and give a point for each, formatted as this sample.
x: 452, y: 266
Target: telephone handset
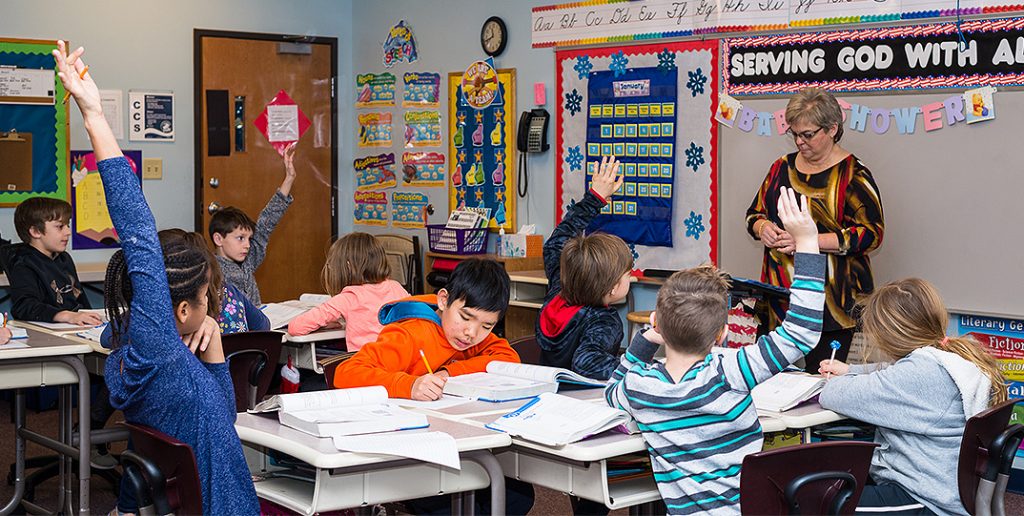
x: 532, y: 138
x: 533, y: 131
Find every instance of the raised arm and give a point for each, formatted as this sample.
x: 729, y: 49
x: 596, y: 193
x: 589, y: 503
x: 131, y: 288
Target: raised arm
x: 271, y: 215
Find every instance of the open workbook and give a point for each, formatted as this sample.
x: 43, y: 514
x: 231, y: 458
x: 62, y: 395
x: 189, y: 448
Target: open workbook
x: 556, y: 420
x: 785, y: 391
x: 506, y: 381
x: 280, y: 314
x: 339, y: 412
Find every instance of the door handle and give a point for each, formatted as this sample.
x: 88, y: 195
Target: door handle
x: 214, y: 182
x: 213, y: 207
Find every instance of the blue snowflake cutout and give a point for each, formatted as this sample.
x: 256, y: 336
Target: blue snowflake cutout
x: 696, y: 82
x: 573, y: 102
x: 583, y: 66
x: 619, y: 63
x: 632, y: 250
x: 666, y: 61
x: 575, y: 158
x: 694, y: 225
x: 694, y: 156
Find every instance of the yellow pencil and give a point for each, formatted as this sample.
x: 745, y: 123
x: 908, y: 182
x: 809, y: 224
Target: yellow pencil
x: 429, y: 370
x: 67, y: 94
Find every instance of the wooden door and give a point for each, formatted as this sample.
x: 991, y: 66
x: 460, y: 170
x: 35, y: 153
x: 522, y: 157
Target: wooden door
x: 256, y: 67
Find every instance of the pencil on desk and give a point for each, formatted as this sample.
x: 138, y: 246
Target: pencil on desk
x: 67, y: 94
x: 422, y: 355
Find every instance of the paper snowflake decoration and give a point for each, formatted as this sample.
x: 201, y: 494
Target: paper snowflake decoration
x: 573, y: 102
x: 575, y: 158
x: 583, y: 66
x: 696, y: 82
x: 666, y: 61
x: 694, y: 156
x: 694, y: 225
x: 619, y: 63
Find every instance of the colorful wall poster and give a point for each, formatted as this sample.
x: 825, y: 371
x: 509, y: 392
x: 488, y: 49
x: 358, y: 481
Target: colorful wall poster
x: 422, y: 129
x: 282, y: 122
x: 374, y: 89
x: 482, y: 151
x: 151, y: 115
x: 371, y: 208
x: 423, y: 168
x: 375, y: 172
x: 409, y: 209
x: 479, y: 86
x: 1004, y: 339
x: 421, y: 89
x: 91, y: 227
x: 400, y: 45
x: 375, y: 130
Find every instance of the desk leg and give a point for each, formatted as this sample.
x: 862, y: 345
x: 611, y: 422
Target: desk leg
x: 490, y: 464
x: 84, y: 439
x: 19, y: 453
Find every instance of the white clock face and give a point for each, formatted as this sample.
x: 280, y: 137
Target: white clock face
x: 492, y: 36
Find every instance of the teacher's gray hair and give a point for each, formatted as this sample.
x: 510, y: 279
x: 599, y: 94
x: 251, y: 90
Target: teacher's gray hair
x: 818, y: 107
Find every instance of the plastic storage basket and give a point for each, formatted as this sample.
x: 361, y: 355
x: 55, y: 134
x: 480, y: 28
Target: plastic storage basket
x: 441, y: 239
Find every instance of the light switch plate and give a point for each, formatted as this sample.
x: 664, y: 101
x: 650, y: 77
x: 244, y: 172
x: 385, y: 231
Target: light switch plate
x: 152, y: 168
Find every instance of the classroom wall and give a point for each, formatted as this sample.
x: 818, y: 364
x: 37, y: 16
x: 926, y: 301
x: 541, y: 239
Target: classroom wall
x: 148, y: 45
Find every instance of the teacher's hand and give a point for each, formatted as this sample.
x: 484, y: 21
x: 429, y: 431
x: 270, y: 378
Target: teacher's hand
x: 786, y: 244
x: 770, y: 234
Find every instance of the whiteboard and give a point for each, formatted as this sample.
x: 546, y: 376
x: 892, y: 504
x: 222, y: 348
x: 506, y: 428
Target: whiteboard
x: 952, y: 201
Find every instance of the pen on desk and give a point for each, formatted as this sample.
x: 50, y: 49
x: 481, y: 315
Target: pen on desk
x: 424, y: 357
x: 67, y: 94
x: 834, y: 345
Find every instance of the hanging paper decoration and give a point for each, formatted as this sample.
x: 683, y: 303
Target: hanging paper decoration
x: 282, y: 122
x: 371, y: 208
x: 375, y: 90
x: 423, y: 169
x: 481, y: 149
x: 980, y: 105
x: 375, y: 172
x: 652, y: 107
x: 400, y: 45
x: 421, y: 90
x: 375, y: 129
x: 409, y: 209
x: 728, y: 108
x: 479, y: 87
x: 422, y: 129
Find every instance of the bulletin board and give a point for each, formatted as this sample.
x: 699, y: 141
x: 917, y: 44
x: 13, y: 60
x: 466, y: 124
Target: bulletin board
x: 652, y: 107
x: 481, y: 151
x: 91, y: 227
x: 36, y: 157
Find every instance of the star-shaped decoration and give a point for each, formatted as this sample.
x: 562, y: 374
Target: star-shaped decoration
x: 480, y: 195
x: 479, y: 117
x: 462, y: 156
x: 461, y: 195
x: 499, y: 156
x: 462, y: 118
x: 479, y: 156
x: 499, y: 116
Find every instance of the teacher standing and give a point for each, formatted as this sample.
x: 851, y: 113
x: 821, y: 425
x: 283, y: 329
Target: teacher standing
x: 845, y: 204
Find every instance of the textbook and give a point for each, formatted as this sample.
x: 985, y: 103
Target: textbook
x: 555, y: 420
x: 785, y: 391
x: 505, y: 381
x: 280, y: 314
x: 339, y: 412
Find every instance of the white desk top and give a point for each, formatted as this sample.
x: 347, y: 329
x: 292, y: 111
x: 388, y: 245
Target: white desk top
x: 538, y: 277
x: 317, y: 336
x: 44, y: 344
x: 320, y: 452
x: 92, y: 272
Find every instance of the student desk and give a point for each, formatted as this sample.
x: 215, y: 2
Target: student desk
x: 305, y: 347
x: 581, y: 468
x: 50, y: 360
x: 340, y: 479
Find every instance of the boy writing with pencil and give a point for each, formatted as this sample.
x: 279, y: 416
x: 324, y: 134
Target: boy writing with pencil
x: 695, y: 410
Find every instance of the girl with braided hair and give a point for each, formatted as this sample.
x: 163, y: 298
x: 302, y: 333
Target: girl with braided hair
x: 167, y: 369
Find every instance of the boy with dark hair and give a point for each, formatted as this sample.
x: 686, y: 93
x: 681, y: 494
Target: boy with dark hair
x: 452, y: 328
x: 241, y: 244
x: 44, y: 282
x: 577, y: 329
x: 695, y: 410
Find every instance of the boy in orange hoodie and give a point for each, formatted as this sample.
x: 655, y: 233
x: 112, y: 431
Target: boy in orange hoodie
x: 452, y: 328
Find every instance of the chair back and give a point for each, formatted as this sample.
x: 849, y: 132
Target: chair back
x: 819, y: 478
x: 403, y: 256
x: 331, y: 363
x: 181, y: 492
x: 528, y: 349
x: 976, y: 450
x: 247, y: 350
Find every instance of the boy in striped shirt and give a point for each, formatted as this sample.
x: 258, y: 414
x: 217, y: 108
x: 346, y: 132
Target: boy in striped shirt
x: 695, y: 410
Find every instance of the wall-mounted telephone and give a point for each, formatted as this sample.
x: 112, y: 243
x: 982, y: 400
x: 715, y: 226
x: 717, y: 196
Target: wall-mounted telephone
x: 531, y: 138
x: 533, y: 131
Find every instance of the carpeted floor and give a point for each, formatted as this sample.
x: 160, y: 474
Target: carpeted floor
x: 103, y: 495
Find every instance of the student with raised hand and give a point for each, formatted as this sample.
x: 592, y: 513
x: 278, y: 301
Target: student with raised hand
x: 241, y: 243
x: 152, y: 373
x: 695, y: 410
x: 919, y: 401
x: 577, y: 328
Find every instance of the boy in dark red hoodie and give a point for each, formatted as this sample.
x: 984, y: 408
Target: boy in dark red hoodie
x: 577, y: 329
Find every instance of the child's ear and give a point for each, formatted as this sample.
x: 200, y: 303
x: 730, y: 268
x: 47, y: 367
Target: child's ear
x: 654, y: 319
x: 723, y: 336
x: 34, y: 233
x: 181, y: 312
x: 442, y: 299
x: 218, y: 239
